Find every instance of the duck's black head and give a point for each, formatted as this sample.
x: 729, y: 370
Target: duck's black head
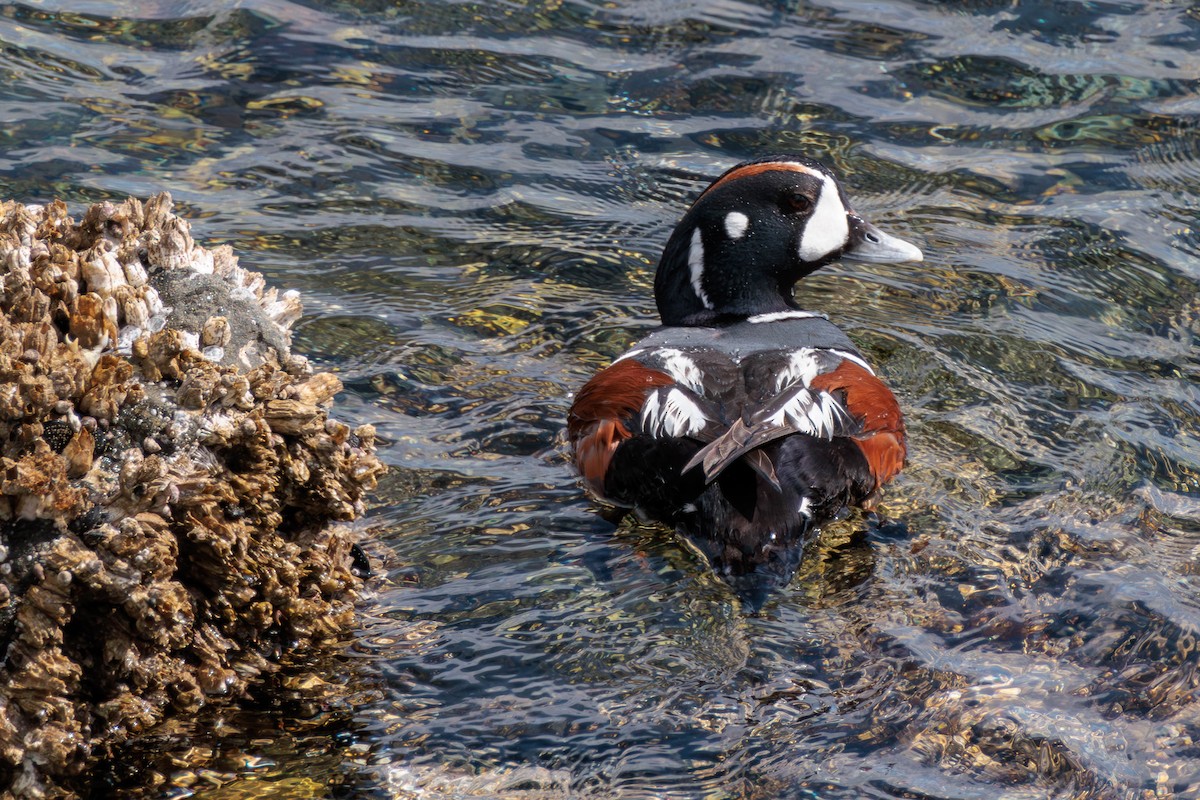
x: 753, y: 233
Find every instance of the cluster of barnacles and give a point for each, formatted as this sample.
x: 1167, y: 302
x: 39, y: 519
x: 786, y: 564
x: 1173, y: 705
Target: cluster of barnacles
x: 171, y: 484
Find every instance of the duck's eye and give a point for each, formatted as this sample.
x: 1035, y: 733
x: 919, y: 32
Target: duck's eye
x: 798, y: 202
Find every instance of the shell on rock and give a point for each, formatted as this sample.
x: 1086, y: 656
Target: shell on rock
x: 216, y: 332
x: 102, y: 272
x: 152, y: 444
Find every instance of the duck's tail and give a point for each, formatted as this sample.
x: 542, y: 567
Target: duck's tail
x: 753, y: 530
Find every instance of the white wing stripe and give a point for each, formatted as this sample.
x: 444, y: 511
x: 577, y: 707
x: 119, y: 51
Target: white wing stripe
x: 631, y: 354
x: 855, y: 358
x: 676, y: 415
x: 815, y: 415
x: 683, y: 369
x: 802, y: 366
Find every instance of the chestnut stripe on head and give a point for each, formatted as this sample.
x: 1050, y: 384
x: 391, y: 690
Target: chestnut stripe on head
x: 758, y: 169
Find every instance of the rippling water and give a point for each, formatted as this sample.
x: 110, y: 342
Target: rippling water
x: 472, y: 198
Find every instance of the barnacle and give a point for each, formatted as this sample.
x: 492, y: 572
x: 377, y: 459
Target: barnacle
x: 146, y: 390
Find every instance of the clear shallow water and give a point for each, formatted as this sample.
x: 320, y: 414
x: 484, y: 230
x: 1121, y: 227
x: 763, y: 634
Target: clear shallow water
x: 472, y: 198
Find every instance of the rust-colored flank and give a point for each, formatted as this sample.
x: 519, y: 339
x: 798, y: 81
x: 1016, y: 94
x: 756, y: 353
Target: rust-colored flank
x: 596, y: 424
x: 882, y: 440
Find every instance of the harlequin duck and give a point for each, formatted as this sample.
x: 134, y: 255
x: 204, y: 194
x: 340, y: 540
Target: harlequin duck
x: 746, y: 421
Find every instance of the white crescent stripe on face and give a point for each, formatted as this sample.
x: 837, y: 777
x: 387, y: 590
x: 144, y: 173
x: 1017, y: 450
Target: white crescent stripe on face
x: 828, y: 228
x: 696, y: 267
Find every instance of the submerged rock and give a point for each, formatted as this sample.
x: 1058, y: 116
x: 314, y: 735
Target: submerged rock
x: 171, y: 484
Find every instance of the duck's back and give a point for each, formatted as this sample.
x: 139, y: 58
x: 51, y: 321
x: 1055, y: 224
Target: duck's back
x: 743, y: 436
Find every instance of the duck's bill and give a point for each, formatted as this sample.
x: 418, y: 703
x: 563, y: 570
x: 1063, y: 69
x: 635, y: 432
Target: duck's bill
x: 871, y: 244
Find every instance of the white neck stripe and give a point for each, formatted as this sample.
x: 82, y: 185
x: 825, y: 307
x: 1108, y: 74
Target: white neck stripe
x: 776, y: 316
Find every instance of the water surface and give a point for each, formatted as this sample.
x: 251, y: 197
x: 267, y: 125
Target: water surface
x: 472, y: 198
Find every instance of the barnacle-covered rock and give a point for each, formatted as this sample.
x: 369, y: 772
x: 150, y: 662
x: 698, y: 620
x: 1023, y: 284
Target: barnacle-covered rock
x: 172, y: 489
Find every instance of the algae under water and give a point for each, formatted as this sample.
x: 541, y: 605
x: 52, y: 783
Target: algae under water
x: 471, y: 198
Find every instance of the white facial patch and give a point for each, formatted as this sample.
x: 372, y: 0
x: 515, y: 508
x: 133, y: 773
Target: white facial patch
x: 827, y: 228
x: 735, y: 224
x: 696, y: 266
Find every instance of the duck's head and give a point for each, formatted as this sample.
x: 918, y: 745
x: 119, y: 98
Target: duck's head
x: 753, y: 233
